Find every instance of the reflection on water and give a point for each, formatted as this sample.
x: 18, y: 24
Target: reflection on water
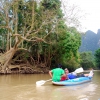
x: 23, y: 87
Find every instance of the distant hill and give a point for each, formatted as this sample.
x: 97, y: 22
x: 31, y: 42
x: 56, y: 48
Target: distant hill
x: 90, y: 41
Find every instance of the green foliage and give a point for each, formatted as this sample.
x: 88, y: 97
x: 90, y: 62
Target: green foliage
x: 87, y: 60
x: 43, y: 32
x: 51, y: 4
x: 3, y: 35
x: 72, y: 64
x: 97, y: 57
x: 67, y: 45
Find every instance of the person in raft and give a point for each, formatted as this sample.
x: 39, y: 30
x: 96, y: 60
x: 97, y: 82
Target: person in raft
x: 74, y: 75
x: 57, y: 74
x: 70, y: 75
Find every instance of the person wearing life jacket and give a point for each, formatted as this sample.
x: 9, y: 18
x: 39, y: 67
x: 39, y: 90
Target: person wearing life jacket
x: 73, y: 75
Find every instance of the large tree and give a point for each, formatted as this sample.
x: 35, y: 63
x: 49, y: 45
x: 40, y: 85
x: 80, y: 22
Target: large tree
x: 26, y: 21
x: 39, y: 28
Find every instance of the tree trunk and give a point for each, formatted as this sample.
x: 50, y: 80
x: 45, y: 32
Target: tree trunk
x: 6, y: 59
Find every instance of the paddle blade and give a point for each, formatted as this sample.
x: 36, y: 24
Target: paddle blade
x: 39, y: 83
x: 79, y: 70
x: 91, y: 73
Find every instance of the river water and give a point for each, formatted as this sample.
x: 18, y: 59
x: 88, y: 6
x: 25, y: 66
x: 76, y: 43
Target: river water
x: 23, y: 87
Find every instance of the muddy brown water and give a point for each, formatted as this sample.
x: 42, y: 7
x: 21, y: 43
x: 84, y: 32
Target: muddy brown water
x: 23, y: 87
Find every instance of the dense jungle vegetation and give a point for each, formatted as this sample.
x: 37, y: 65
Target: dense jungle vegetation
x: 35, y: 38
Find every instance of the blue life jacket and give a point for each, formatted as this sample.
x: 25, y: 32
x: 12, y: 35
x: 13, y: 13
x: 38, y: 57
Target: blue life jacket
x: 71, y: 76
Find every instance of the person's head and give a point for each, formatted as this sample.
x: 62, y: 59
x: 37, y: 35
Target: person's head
x: 66, y: 71
x: 59, y: 66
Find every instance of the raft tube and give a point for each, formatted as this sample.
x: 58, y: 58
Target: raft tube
x: 71, y: 82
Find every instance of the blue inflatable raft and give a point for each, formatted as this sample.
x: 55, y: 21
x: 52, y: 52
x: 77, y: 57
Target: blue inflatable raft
x: 71, y: 82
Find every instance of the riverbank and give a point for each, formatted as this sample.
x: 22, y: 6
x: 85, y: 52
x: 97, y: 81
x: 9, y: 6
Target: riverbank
x: 24, y: 69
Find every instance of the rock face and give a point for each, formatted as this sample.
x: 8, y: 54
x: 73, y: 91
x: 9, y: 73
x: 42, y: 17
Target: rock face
x: 90, y: 41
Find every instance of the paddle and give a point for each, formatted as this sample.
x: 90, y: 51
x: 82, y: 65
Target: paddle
x: 39, y: 83
x: 79, y: 70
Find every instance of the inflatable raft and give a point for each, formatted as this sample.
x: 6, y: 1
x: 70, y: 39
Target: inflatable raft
x: 71, y: 82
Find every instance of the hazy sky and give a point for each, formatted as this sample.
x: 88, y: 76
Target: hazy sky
x: 92, y: 10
